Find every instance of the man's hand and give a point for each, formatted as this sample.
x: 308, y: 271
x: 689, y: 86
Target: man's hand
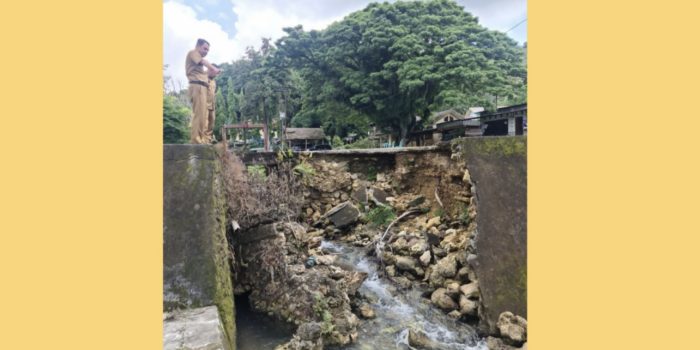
x: 210, y: 67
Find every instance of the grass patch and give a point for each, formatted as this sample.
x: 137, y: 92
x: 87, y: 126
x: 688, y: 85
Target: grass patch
x: 257, y: 171
x: 304, y: 169
x: 381, y: 216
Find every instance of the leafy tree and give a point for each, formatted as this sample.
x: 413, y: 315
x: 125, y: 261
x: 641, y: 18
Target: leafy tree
x: 175, y: 119
x: 256, y: 88
x: 392, y: 62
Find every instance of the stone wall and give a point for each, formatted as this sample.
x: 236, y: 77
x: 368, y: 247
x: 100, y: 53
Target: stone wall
x: 196, y: 272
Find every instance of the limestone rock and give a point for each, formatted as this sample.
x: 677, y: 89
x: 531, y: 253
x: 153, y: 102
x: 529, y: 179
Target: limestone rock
x: 463, y: 274
x: 513, y: 328
x: 405, y: 264
x: 433, y: 222
x: 399, y: 244
x: 391, y: 270
x: 366, y: 311
x: 497, y: 344
x: 418, y: 248
x: 442, y: 300
x: 326, y: 259
x: 453, y: 289
x: 471, y: 290
x: 467, y: 307
x: 447, y: 266
x: 402, y: 281
x: 425, y: 258
x: 454, y: 314
x: 420, y: 340
x: 436, y: 280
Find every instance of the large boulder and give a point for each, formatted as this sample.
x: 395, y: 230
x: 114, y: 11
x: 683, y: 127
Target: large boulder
x: 343, y: 214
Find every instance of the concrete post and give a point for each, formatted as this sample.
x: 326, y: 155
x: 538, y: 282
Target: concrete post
x: 511, y: 126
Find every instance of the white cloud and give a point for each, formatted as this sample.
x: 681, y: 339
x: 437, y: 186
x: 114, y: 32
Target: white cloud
x: 181, y: 29
x: 499, y: 15
x: 266, y: 18
x: 256, y: 19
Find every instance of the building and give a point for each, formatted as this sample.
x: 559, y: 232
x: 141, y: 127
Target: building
x: 304, y: 138
x: 511, y: 121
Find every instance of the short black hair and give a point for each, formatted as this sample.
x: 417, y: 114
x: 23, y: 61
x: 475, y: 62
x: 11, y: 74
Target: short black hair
x: 201, y: 42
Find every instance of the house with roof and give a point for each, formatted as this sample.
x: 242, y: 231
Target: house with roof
x: 304, y: 138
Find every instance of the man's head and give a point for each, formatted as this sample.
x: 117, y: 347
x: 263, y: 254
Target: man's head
x: 202, y: 47
x: 213, y: 74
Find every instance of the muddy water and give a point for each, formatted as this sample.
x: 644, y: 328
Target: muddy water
x: 399, y: 311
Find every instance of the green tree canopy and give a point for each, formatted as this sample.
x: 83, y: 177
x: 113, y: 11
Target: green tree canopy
x: 392, y: 62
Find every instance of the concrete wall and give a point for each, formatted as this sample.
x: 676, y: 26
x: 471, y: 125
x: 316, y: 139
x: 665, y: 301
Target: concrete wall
x: 498, y: 167
x: 196, y: 272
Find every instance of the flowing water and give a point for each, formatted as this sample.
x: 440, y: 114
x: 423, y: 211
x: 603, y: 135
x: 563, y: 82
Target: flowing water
x: 396, y: 312
x: 256, y: 331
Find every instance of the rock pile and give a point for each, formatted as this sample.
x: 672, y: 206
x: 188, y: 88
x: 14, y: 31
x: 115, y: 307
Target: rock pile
x: 512, y: 332
x: 431, y: 249
x: 315, y: 298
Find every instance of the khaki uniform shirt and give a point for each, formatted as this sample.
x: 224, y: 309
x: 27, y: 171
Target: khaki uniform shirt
x: 211, y: 95
x: 194, y: 67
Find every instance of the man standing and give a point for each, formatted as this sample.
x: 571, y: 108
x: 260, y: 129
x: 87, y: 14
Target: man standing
x: 198, y: 89
x: 211, y: 104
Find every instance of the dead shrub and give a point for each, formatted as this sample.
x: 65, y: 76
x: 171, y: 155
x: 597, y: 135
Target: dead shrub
x: 255, y: 200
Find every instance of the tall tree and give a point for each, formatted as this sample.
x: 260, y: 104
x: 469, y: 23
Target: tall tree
x: 395, y: 61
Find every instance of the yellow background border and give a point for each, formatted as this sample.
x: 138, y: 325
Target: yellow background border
x: 613, y: 175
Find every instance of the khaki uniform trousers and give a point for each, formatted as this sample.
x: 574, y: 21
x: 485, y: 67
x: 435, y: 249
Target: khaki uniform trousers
x: 210, y: 124
x: 198, y: 97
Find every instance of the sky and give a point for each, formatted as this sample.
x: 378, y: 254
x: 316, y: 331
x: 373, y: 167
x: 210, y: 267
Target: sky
x: 232, y: 25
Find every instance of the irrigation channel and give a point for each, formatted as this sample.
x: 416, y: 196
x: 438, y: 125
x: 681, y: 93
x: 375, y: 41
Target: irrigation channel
x: 397, y: 312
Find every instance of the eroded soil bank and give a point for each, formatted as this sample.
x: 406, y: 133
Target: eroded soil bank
x: 357, y: 244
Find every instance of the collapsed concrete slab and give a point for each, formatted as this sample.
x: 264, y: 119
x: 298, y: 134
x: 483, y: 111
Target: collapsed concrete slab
x: 196, y: 272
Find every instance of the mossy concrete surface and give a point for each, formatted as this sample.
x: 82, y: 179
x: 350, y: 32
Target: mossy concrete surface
x: 498, y: 168
x: 194, y: 329
x: 196, y: 271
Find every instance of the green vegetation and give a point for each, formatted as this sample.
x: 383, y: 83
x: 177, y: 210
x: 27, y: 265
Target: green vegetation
x: 360, y: 144
x: 175, y: 118
x: 322, y: 311
x: 257, y: 171
x: 382, y: 66
x: 393, y: 61
x: 381, y: 215
x: 304, y: 169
